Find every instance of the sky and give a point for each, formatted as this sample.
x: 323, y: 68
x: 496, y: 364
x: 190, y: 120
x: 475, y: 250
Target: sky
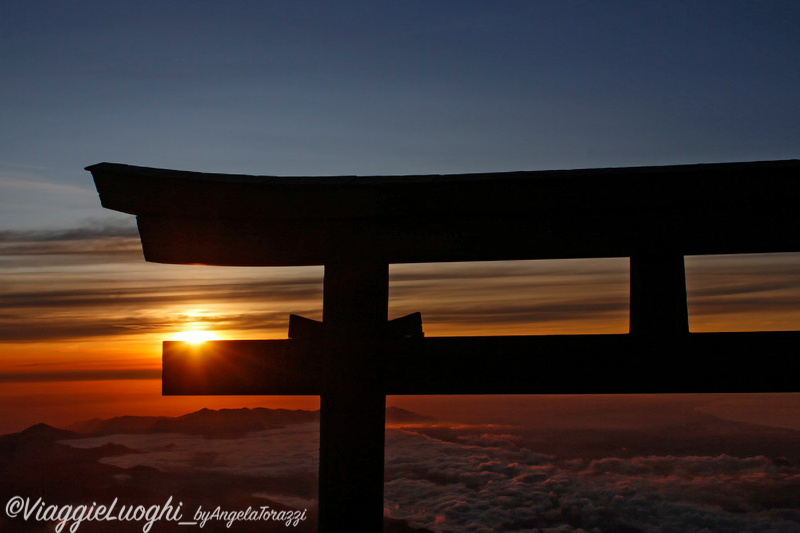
x: 310, y: 88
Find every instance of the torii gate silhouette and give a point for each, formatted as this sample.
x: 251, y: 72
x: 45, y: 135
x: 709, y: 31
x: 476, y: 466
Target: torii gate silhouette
x: 357, y: 226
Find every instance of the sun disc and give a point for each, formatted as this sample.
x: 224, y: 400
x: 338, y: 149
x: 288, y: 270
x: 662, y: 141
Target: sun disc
x: 195, y: 336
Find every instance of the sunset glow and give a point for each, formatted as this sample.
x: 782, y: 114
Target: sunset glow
x: 196, y: 336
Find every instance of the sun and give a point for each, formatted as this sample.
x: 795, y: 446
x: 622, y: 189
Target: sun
x: 195, y: 336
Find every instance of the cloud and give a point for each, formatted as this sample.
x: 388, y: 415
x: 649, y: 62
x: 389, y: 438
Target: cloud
x: 28, y: 178
x: 745, y: 283
x: 92, y: 282
x: 533, y: 312
x: 681, y: 467
x: 498, y: 486
x: 110, y: 301
x: 493, y: 483
x: 154, y: 294
x: 98, y: 320
x: 291, y: 451
x: 514, y: 294
x: 101, y: 242
x: 109, y: 231
x: 507, y: 270
x: 79, y: 375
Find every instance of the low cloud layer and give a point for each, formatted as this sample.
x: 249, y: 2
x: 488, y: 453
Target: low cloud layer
x: 280, y: 453
x: 98, y: 242
x: 490, y: 482
x: 451, y: 487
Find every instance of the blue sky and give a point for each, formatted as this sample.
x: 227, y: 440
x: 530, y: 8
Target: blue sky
x: 316, y: 88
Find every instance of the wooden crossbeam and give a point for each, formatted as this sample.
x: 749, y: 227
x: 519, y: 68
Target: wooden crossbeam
x: 282, y: 367
x: 558, y: 364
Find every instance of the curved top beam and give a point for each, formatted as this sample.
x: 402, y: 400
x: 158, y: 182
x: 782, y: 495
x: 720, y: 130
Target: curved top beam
x: 228, y: 219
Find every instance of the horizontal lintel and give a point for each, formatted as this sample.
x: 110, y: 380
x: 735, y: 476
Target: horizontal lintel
x: 574, y: 364
x: 595, y: 364
x: 273, y: 367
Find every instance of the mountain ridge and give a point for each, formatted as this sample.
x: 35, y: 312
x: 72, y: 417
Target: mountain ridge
x: 218, y: 423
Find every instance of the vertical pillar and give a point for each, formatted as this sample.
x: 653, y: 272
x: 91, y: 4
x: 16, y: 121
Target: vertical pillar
x: 353, y: 404
x: 658, y: 295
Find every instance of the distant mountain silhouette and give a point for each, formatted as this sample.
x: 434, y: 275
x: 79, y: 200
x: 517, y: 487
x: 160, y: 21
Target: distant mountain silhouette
x: 39, y: 445
x: 222, y: 423
x: 44, y: 432
x: 396, y: 415
x: 642, y: 431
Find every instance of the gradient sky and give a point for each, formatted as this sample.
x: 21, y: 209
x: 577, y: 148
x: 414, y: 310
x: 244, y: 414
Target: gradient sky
x: 325, y: 88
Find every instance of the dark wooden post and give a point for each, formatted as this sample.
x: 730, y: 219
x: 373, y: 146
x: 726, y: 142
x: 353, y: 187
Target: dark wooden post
x: 658, y: 306
x: 353, y: 403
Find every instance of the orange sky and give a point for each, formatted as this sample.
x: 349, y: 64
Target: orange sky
x: 82, y: 316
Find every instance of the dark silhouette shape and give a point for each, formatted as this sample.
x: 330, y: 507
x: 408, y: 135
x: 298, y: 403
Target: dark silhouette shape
x: 357, y: 226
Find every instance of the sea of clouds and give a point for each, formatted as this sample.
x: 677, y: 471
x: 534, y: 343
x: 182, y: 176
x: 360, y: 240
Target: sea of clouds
x: 493, y: 483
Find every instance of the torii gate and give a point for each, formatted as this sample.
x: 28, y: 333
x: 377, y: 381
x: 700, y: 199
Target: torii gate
x: 357, y: 226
